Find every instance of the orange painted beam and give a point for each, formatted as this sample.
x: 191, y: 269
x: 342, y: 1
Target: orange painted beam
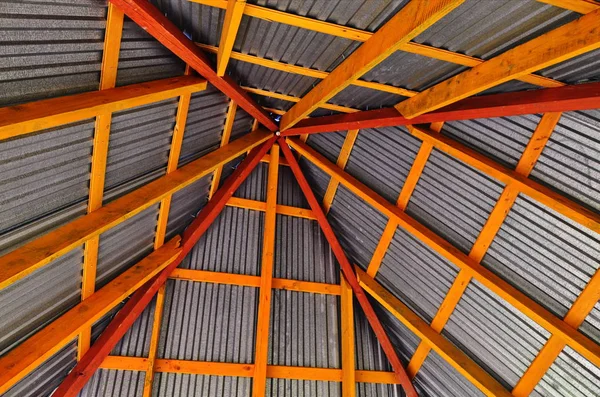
x: 280, y: 209
x: 231, y: 24
x: 580, y: 6
x: 413, y: 19
x: 558, y: 45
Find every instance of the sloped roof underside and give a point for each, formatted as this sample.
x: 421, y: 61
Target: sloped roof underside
x: 51, y: 49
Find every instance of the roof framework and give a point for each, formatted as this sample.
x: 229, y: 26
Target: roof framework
x: 423, y: 112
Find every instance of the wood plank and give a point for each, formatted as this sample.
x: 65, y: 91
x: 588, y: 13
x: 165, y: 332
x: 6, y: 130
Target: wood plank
x: 155, y: 23
x: 289, y: 98
x: 413, y: 19
x: 496, y: 284
x: 347, y: 338
x: 41, y: 251
x: 48, y: 113
x: 560, y: 44
x: 580, y: 6
x: 563, y: 99
x: 231, y: 24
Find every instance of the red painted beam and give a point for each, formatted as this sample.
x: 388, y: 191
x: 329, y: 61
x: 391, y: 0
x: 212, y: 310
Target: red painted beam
x: 153, y: 21
x: 90, y: 362
x: 560, y: 99
x: 348, y: 271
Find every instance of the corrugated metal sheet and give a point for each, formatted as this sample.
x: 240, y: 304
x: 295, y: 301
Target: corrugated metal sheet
x: 110, y: 382
x: 365, y: 98
x: 42, y: 381
x: 204, y: 127
x: 288, y: 190
x: 570, y: 161
x: 581, y: 69
x: 416, y: 274
x: 255, y: 186
x: 167, y: 385
x: 302, y: 388
x: 304, y: 330
x: 302, y: 252
x: 232, y: 244
x: 50, y: 49
x: 57, y: 289
x: 382, y: 158
x: 208, y: 322
x: 317, y: 179
x: 242, y: 124
x: 544, y: 254
x: 125, y: 244
x: 501, y: 138
x: 358, y: 226
x: 329, y: 145
x: 453, y: 199
x: 136, y: 341
x: 478, y: 326
x: 186, y: 204
x: 140, y: 140
x: 570, y: 375
x: 44, y: 181
x: 142, y: 58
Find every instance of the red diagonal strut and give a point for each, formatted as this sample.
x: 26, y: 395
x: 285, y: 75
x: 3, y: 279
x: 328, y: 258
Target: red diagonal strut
x: 348, y: 272
x: 153, y: 21
x: 560, y: 99
x: 90, y: 362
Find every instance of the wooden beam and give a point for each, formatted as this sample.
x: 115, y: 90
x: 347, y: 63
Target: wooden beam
x: 261, y: 358
x: 560, y: 44
x: 408, y: 188
x: 447, y: 350
x: 280, y: 209
x: 580, y: 6
x: 347, y: 338
x: 108, y: 79
x: 487, y: 234
x: 342, y: 160
x: 132, y: 309
x: 24, y: 358
x: 155, y: 23
x: 231, y: 24
x: 348, y: 273
x: 563, y: 99
x: 350, y: 33
x: 289, y: 98
x: 579, y: 342
x: 227, y: 127
x: 36, y: 116
x: 413, y: 19
x: 41, y: 251
x: 308, y: 72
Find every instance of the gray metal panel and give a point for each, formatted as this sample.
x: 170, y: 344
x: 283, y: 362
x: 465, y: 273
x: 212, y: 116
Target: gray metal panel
x: 317, y: 179
x: 34, y: 301
x: 382, y: 158
x: 416, y: 274
x: 50, y: 49
x: 208, y: 322
x: 142, y: 58
x: 110, y: 382
x: 199, y: 22
x: 581, y: 69
x: 136, y: 341
x: 302, y: 252
x: 169, y: 385
x: 204, y: 127
x: 288, y: 190
x: 140, y: 140
x: 242, y: 124
x: 485, y: 29
x: 358, y: 226
x: 365, y: 98
x: 437, y: 378
x: 329, y: 145
x: 591, y: 325
x: 570, y: 375
x: 502, y: 138
x: 232, y: 244
x: 302, y: 388
x: 125, y: 244
x: 255, y: 186
x: 44, y: 180
x: 186, y: 204
x: 43, y: 380
x: 497, y: 336
x: 570, y: 161
x: 304, y: 330
x: 453, y: 199
x: 544, y: 254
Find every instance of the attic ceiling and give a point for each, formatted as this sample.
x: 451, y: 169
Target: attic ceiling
x: 475, y: 240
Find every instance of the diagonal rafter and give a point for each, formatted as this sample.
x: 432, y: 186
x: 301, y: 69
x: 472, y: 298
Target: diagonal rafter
x: 560, y: 44
x: 348, y: 272
x: 408, y: 23
x: 580, y: 6
x: 153, y: 21
x: 231, y: 24
x: 125, y: 318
